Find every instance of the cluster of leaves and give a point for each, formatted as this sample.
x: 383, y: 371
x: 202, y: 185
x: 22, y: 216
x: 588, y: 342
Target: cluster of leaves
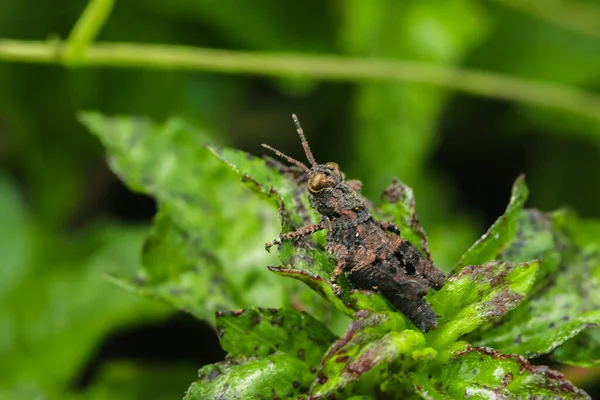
x: 529, y: 286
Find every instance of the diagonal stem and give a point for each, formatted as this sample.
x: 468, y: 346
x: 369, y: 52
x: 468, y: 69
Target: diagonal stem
x: 86, y: 29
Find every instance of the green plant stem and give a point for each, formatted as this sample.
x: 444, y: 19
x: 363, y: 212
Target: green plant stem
x: 577, y: 16
x: 87, y: 29
x: 338, y: 68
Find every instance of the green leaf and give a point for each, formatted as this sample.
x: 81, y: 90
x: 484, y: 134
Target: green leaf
x: 258, y: 176
x: 483, y: 373
x: 537, y: 238
x: 220, y: 225
x: 260, y: 332
x: 500, y: 234
x: 129, y: 380
x: 371, y: 341
x: 46, y: 338
x: 424, y: 387
x: 276, y: 376
x: 583, y: 350
x: 557, y: 312
x: 178, y: 271
x: 476, y: 295
x: 398, y: 205
x: 15, y: 239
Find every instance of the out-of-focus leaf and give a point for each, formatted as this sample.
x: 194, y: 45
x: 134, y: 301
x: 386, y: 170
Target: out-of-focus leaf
x: 253, y: 25
x: 46, y: 337
x: 476, y: 295
x: 260, y: 332
x: 483, y: 373
x: 500, y: 234
x: 130, y: 381
x: 15, y: 242
x: 397, y: 121
x: 561, y: 308
x: 276, y: 376
x: 371, y: 341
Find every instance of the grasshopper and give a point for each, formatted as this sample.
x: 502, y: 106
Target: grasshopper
x: 371, y: 253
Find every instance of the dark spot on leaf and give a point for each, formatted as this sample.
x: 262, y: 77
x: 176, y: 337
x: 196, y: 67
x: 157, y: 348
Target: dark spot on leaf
x: 278, y: 320
x: 139, y: 280
x: 565, y: 318
x: 277, y: 345
x: 331, y: 396
x: 499, y: 278
x: 301, y: 354
x: 296, y: 384
x: 559, y: 384
x: 255, y: 319
x: 178, y: 291
x: 272, y: 310
x: 551, y: 325
x: 212, y: 375
x: 313, y: 369
x: 518, y: 340
x: 342, y: 359
x: 322, y: 379
x: 506, y: 380
x: 274, y: 395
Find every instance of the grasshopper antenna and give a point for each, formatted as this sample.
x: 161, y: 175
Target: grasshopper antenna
x: 288, y: 158
x: 309, y: 154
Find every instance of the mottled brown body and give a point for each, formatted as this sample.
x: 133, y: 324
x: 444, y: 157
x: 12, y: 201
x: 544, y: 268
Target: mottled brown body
x: 370, y: 252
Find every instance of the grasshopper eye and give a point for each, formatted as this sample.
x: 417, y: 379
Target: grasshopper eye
x: 318, y: 183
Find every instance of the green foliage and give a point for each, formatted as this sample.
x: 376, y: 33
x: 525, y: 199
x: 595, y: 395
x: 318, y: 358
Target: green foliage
x: 271, y: 351
x: 483, y: 373
x: 40, y: 326
x: 489, y: 246
x: 506, y: 302
x: 567, y: 302
x: 478, y: 294
x: 60, y: 237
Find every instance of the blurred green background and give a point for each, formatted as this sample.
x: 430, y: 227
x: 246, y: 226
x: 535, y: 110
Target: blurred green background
x: 65, y: 219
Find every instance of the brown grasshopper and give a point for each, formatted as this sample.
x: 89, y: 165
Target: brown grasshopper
x: 370, y: 252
